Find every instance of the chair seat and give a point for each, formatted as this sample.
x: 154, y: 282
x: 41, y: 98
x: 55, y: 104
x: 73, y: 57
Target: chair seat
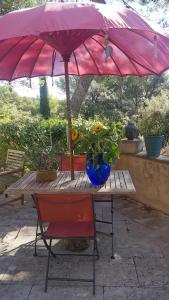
x: 8, y: 179
x: 70, y: 229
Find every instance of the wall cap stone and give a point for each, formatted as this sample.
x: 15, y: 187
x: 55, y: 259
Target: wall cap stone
x: 143, y: 155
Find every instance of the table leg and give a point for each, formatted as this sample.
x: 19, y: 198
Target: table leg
x: 112, y: 212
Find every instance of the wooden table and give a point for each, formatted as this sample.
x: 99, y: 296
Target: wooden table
x: 118, y: 183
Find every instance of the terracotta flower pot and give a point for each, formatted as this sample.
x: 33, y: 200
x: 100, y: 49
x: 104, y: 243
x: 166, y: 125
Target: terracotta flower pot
x: 45, y: 175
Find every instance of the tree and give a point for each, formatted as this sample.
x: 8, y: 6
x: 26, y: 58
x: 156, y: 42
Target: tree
x: 44, y: 101
x: 116, y: 97
x: 11, y: 104
x: 9, y: 5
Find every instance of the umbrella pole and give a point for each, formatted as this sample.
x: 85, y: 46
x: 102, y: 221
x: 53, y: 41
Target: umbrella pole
x: 69, y: 118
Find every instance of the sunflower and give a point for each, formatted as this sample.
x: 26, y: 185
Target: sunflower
x: 97, y: 128
x: 74, y: 135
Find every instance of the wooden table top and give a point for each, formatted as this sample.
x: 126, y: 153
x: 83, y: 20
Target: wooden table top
x: 119, y: 182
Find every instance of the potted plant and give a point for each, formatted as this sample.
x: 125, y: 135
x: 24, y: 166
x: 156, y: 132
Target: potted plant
x: 152, y: 126
x: 101, y: 144
x: 45, y: 163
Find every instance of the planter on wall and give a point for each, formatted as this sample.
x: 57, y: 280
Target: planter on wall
x: 153, y: 145
x: 78, y: 160
x: 45, y: 175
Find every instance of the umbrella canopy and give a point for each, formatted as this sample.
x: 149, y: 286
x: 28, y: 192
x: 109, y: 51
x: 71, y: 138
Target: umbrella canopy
x: 34, y: 41
x: 61, y: 39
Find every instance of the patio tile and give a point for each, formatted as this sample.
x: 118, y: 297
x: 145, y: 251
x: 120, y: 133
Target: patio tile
x: 152, y: 271
x: 14, y: 292
x: 12, y: 247
x: 65, y: 293
x: 135, y: 293
x: 8, y: 232
x: 5, y: 262
x: 116, y: 272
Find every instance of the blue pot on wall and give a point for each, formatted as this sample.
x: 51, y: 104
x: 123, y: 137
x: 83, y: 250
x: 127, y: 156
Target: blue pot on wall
x: 153, y: 145
x: 99, y: 175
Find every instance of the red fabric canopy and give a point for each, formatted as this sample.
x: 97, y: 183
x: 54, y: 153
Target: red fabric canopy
x: 34, y: 41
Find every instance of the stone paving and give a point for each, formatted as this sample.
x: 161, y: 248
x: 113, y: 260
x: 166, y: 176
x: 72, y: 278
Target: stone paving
x: 140, y: 270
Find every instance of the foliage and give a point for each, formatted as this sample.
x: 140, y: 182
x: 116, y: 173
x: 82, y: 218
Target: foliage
x: 44, y: 158
x: 40, y: 138
x: 32, y: 135
x: 95, y: 137
x: 12, y: 104
x: 116, y: 97
x: 152, y: 124
x: 153, y: 117
x: 9, y: 5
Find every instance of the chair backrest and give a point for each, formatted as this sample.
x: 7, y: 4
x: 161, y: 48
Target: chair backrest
x: 64, y: 207
x: 79, y: 163
x: 15, y: 159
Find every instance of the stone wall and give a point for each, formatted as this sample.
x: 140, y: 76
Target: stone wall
x: 150, y: 177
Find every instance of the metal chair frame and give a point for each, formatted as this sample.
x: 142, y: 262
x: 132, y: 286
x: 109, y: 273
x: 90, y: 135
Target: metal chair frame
x: 110, y: 200
x: 94, y: 253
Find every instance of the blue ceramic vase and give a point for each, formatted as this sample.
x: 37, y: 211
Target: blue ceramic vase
x: 99, y: 175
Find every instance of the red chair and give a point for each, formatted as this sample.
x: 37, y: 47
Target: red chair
x: 79, y: 162
x: 68, y: 216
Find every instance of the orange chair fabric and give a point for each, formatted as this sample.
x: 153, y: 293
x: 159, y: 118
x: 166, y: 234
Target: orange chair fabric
x: 68, y: 215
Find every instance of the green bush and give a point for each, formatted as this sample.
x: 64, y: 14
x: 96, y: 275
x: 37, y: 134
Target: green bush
x: 34, y: 135
x: 152, y: 124
x: 31, y: 133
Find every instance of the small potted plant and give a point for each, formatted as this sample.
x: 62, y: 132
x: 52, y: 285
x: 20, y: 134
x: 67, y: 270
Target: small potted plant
x: 152, y: 127
x: 45, y: 163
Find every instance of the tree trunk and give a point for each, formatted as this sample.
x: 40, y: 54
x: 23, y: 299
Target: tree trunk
x: 80, y: 93
x: 82, y: 87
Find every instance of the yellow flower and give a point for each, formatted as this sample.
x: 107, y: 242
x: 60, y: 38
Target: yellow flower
x: 98, y: 128
x: 75, y: 135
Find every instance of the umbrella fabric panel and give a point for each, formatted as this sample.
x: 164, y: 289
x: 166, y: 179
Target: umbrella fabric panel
x: 60, y: 16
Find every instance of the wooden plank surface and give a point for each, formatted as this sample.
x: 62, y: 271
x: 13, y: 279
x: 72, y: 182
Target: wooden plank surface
x: 119, y: 182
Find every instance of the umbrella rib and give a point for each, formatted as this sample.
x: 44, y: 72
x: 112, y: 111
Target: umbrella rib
x: 12, y: 48
x: 92, y: 58
x: 111, y: 56
x: 132, y: 59
x: 76, y: 63
x: 37, y: 59
x: 29, y: 46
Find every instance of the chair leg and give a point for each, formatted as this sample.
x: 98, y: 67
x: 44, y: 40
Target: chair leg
x: 94, y: 268
x: 47, y: 268
x: 36, y: 237
x: 112, y: 211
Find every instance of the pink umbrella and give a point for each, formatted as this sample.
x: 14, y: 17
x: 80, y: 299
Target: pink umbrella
x: 79, y: 39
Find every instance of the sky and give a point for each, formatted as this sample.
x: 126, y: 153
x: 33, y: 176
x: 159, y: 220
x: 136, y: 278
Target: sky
x: 156, y: 18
